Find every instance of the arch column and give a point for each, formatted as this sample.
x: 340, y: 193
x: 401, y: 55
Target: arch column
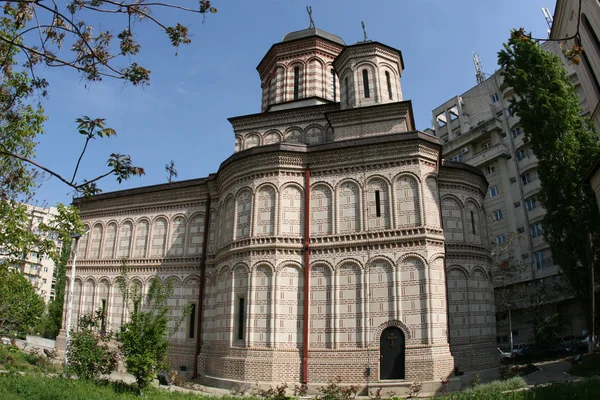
x: 336, y: 309
x: 274, y: 311
x: 249, y: 307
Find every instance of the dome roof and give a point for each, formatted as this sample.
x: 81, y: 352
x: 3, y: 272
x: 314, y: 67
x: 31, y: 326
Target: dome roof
x: 313, y: 32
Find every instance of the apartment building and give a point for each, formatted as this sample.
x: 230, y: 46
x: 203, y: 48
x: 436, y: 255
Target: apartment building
x: 478, y: 128
x: 39, y: 269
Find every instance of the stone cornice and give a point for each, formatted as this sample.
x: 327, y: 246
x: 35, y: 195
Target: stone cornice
x: 263, y: 121
x: 368, y: 48
x: 373, y: 114
x: 369, y: 241
x: 307, y: 44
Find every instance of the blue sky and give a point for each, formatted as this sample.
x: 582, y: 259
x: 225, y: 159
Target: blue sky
x: 182, y: 115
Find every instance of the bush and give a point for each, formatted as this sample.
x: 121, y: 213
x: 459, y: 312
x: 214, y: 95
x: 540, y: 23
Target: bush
x: 144, y: 340
x: 89, y: 353
x: 334, y: 391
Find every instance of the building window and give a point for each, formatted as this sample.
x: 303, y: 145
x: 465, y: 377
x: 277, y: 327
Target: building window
x: 494, y: 191
x: 535, y: 230
x: 241, y: 314
x: 473, y: 222
x: 444, y: 139
x: 540, y: 261
x: 495, y: 98
x: 498, y: 215
x: 333, y: 88
x: 500, y: 239
x: 516, y: 132
x: 365, y: 75
x: 389, y: 84
x: 530, y: 203
x: 526, y: 255
x: 441, y: 120
x: 513, y: 180
x: 103, y: 316
x: 377, y: 204
x: 521, y: 154
x: 45, y: 269
x: 486, y: 145
x: 347, y: 86
x: 192, y: 323
x: 499, y: 113
x: 296, y: 83
x: 526, y: 179
x: 458, y: 157
x: 520, y: 229
x: 517, y: 204
x: 457, y: 132
x: 491, y: 169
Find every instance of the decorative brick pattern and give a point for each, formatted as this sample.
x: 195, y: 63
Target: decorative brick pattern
x: 379, y: 256
x: 110, y: 241
x: 408, y: 209
x: 320, y: 211
x: 142, y: 230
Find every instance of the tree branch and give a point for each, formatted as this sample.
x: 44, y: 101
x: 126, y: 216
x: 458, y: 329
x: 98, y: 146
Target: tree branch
x: 87, y: 140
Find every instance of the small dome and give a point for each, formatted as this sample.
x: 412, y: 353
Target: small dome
x: 313, y: 32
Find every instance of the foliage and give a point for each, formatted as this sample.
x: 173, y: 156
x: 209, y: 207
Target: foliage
x: 63, y: 35
x: 493, y: 390
x: 40, y: 387
x: 144, y: 339
x: 35, y: 34
x: 278, y: 392
x: 89, y: 351
x: 14, y: 359
x: 566, y: 145
x: 20, y: 306
x: 334, y: 391
x: 52, y: 319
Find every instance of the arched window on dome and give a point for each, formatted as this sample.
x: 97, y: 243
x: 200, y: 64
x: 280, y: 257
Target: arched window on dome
x: 389, y: 84
x: 365, y: 75
x: 296, y: 82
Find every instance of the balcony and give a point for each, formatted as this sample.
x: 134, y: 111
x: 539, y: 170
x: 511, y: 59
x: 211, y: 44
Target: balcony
x: 531, y: 188
x: 537, y: 212
x: 485, y: 156
x: 485, y: 127
x: 527, y: 162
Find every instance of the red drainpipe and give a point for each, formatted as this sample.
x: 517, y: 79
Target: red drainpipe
x: 202, y: 283
x: 306, y: 273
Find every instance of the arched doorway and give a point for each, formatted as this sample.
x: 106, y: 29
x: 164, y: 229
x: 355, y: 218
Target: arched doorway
x: 391, y: 353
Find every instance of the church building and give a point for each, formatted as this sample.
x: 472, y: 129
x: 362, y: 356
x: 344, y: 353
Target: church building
x: 333, y: 242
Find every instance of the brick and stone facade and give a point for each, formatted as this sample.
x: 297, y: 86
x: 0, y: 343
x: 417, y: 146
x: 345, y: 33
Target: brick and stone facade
x: 333, y: 232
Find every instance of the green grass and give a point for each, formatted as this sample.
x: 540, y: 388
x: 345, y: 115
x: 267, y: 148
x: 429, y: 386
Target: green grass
x: 590, y: 367
x: 39, y: 387
x: 582, y: 390
x: 14, y: 359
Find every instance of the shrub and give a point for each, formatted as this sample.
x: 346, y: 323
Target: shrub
x: 277, y: 393
x: 89, y: 353
x: 334, y: 391
x: 144, y: 339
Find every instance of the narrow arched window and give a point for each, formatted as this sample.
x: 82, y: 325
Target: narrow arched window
x: 366, y: 83
x: 333, y: 89
x: 296, y: 82
x: 389, y: 84
x: 347, y: 86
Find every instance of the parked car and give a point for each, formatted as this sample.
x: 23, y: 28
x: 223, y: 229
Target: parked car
x: 504, y: 353
x: 518, y: 349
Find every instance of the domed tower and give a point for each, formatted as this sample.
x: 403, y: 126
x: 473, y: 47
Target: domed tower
x: 298, y: 71
x: 369, y: 74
